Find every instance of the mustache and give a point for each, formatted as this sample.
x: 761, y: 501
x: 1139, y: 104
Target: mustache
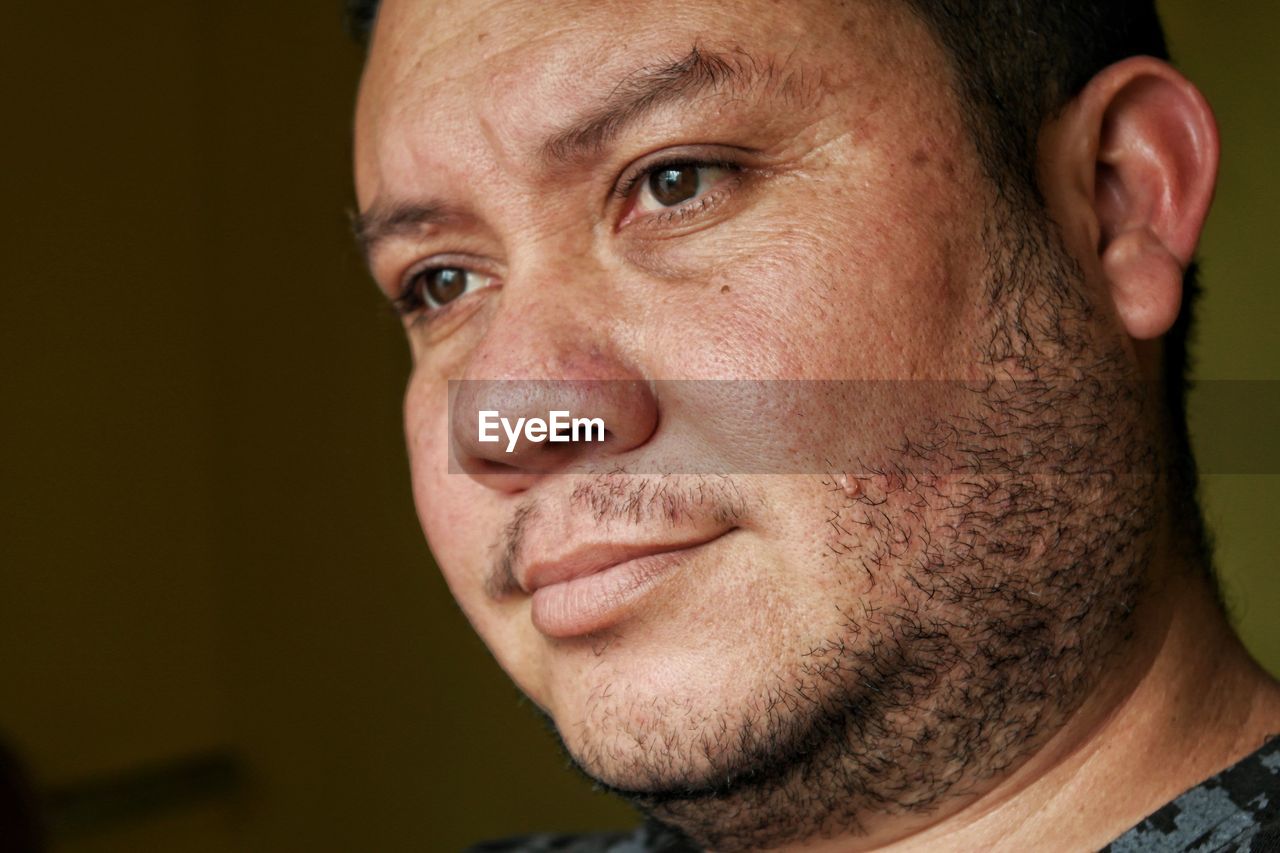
x: 618, y: 497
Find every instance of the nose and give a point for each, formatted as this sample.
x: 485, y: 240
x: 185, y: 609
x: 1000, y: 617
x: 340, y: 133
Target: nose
x: 509, y: 432
x: 586, y: 404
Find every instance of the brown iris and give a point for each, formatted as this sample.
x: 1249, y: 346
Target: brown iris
x: 445, y: 284
x: 675, y: 184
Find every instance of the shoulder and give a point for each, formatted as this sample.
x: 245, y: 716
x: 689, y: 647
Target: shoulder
x: 648, y: 838
x: 547, y: 843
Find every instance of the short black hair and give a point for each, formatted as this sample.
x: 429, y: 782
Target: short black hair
x: 1017, y: 64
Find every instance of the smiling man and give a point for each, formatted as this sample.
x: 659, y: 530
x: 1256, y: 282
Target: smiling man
x: 891, y: 540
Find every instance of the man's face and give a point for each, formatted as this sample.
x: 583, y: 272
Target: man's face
x: 664, y: 190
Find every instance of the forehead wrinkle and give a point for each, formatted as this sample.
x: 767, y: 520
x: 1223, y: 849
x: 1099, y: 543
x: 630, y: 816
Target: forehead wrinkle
x: 700, y: 71
x: 502, y: 70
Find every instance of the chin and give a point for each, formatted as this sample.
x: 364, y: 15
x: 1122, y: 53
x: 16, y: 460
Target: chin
x: 683, y: 728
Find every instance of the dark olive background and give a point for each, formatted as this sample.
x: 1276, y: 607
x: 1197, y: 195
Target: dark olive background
x: 206, y: 534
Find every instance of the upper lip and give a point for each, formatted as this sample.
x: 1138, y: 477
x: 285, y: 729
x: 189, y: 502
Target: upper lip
x: 583, y: 560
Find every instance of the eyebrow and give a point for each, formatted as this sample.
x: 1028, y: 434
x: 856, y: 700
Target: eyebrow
x: 382, y: 222
x: 637, y: 95
x: 643, y: 91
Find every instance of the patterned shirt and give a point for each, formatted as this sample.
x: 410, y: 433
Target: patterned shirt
x: 1237, y: 811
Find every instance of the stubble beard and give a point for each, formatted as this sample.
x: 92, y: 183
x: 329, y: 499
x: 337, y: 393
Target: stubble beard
x: 1004, y: 551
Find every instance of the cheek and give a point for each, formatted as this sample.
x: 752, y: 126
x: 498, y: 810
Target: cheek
x: 893, y: 286
x: 461, y: 519
x: 880, y: 284
x: 442, y: 498
x: 426, y: 434
x: 878, y: 281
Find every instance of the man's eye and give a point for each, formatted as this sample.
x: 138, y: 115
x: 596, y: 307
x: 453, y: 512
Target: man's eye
x: 676, y: 184
x: 438, y: 286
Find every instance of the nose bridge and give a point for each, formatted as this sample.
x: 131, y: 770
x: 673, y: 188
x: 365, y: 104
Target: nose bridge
x: 552, y: 320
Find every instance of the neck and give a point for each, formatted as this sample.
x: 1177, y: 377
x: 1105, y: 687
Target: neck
x: 1183, y: 701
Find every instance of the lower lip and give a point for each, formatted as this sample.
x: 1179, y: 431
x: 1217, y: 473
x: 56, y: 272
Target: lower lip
x: 594, y: 602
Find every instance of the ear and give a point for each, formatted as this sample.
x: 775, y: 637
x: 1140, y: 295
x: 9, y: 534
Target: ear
x: 1135, y: 160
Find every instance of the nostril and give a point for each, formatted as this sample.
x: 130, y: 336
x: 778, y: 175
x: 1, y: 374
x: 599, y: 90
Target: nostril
x: 483, y: 465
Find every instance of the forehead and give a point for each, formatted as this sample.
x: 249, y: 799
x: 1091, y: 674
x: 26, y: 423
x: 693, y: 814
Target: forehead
x: 512, y: 71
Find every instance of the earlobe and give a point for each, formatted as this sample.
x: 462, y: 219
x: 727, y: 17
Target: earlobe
x: 1154, y: 177
x: 1146, y: 283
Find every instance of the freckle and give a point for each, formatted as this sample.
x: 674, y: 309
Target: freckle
x: 919, y: 158
x: 482, y: 36
x: 724, y: 289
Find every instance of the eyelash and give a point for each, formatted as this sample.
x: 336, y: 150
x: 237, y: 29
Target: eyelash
x: 634, y: 178
x: 410, y: 301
